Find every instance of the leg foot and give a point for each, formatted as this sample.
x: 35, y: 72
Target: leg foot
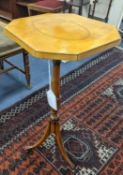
x: 41, y: 140
x: 61, y: 146
x: 53, y: 127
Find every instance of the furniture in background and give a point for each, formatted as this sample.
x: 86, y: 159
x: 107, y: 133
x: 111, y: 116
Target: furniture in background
x: 77, y: 4
x: 9, y: 48
x: 94, y: 6
x: 45, y: 6
x: 22, y: 7
x: 53, y: 41
x: 121, y: 28
x: 10, y: 9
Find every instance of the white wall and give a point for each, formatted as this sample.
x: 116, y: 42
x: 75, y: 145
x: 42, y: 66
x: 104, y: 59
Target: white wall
x: 101, y: 8
x: 116, y: 13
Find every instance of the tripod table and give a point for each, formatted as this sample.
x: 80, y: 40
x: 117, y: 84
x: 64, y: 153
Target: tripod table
x: 61, y: 37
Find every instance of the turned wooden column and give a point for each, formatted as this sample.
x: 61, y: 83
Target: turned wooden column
x: 56, y: 86
x: 53, y: 124
x: 54, y: 120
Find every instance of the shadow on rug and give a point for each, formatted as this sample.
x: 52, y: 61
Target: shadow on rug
x: 91, y: 116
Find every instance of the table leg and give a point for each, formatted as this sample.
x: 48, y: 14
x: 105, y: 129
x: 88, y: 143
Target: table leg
x: 1, y: 64
x: 53, y: 124
x: 27, y: 68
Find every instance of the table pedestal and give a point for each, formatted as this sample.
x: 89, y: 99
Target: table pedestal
x: 53, y: 125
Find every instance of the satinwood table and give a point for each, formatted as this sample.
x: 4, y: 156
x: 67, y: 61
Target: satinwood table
x: 61, y: 37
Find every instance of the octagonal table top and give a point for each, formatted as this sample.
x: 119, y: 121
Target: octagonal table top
x: 62, y: 36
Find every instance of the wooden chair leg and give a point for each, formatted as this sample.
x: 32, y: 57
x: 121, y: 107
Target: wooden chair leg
x: 64, y: 7
x: 1, y: 64
x: 29, y: 11
x: 70, y: 9
x: 27, y: 68
x: 80, y: 10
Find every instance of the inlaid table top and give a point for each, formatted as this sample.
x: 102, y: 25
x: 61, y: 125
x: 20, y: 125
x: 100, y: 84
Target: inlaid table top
x: 62, y: 36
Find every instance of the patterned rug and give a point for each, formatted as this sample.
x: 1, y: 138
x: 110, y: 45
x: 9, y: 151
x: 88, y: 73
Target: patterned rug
x: 91, y: 116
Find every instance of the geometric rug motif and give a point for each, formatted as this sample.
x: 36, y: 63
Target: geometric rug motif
x: 115, y: 91
x: 91, y: 116
x: 84, y: 147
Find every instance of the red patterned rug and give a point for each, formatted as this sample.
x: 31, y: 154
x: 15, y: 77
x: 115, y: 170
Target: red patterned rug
x: 91, y: 116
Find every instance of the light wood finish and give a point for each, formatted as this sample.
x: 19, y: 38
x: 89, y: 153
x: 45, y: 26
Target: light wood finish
x: 61, y: 37
x: 53, y: 125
